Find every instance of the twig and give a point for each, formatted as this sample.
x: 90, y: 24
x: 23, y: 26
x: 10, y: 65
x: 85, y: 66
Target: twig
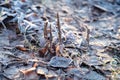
x: 88, y: 35
x: 59, y: 28
x: 51, y: 37
x: 45, y: 30
x: 13, y: 56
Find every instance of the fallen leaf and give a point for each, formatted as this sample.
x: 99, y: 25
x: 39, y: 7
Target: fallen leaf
x: 42, y: 71
x: 30, y: 74
x: 43, y: 51
x: 51, y: 74
x: 60, y: 62
x: 76, y: 72
x: 22, y: 48
x: 93, y: 76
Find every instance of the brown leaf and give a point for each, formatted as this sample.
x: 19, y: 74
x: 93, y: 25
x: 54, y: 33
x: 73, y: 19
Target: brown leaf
x: 21, y: 48
x: 17, y: 30
x: 59, y: 50
x: 42, y: 51
x: 35, y: 64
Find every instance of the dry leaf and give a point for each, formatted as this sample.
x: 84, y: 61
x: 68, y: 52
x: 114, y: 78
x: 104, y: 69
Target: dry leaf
x: 60, y: 62
x: 21, y: 48
x: 35, y: 64
x: 59, y: 50
x: 43, y: 51
x: 42, y: 71
x: 28, y: 71
x: 30, y: 74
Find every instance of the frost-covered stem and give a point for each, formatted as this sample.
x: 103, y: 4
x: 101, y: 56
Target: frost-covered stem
x: 59, y: 29
x: 87, y: 36
x: 4, y: 25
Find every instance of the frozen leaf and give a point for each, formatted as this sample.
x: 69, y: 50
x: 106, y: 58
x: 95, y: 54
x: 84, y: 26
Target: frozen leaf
x: 104, y: 6
x: 42, y: 71
x: 85, y: 70
x: 51, y: 74
x: 94, y: 76
x: 70, y: 37
x: 4, y: 41
x: 75, y: 72
x: 105, y: 58
x: 93, y: 60
x: 30, y: 74
x: 6, y: 5
x: 4, y: 57
x: 60, y: 62
x: 11, y: 72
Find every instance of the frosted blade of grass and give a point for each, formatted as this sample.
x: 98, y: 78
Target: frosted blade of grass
x: 4, y: 25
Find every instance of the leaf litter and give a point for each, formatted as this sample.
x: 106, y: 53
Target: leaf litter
x: 59, y: 40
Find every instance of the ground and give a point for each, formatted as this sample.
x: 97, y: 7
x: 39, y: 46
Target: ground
x: 59, y: 40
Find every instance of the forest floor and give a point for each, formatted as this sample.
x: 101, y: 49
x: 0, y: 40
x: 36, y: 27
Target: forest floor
x: 59, y: 40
